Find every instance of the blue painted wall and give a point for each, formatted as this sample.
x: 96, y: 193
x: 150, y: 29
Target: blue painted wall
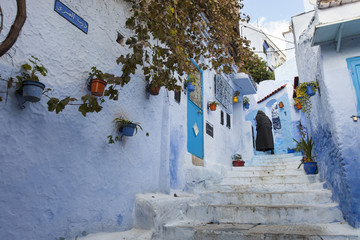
x: 341, y: 169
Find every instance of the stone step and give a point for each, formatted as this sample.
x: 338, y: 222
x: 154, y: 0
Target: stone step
x: 272, y: 160
x: 248, y: 172
x: 283, y: 179
x: 213, y: 231
x: 267, y: 187
x: 133, y: 234
x: 267, y: 198
x: 275, y: 214
x: 274, y: 166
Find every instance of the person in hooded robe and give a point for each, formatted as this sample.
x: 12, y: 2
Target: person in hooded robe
x: 264, y: 137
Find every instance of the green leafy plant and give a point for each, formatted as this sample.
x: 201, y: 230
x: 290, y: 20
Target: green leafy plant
x: 169, y: 34
x: 236, y: 157
x: 306, y: 147
x: 246, y: 100
x: 304, y: 98
x: 213, y: 102
x: 32, y: 69
x: 120, y: 122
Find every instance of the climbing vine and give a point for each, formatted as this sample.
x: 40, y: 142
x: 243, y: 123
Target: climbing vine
x: 304, y: 98
x: 167, y: 34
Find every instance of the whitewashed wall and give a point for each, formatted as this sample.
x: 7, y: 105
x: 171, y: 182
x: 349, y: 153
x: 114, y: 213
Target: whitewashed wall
x: 335, y: 134
x: 58, y: 175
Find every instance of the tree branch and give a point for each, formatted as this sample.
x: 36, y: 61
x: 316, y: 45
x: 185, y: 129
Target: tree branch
x: 15, y: 28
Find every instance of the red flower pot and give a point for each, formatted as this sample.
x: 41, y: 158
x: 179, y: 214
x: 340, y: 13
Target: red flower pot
x: 238, y: 163
x: 97, y: 87
x: 281, y: 105
x: 298, y: 106
x: 154, y: 90
x: 212, y: 106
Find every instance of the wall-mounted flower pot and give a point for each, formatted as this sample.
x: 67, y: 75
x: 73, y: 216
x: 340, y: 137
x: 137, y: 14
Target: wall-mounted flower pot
x: 281, y: 104
x: 97, y: 87
x: 310, y: 167
x: 238, y: 163
x: 212, y: 106
x: 235, y: 99
x: 298, y: 106
x: 128, y: 129
x: 190, y: 86
x: 247, y: 105
x: 310, y: 90
x: 290, y: 150
x: 154, y: 90
x: 32, y: 90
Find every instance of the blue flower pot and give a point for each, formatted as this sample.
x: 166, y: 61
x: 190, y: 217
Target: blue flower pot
x: 190, y: 87
x: 32, y: 90
x: 310, y: 90
x: 247, y: 105
x: 291, y: 150
x: 310, y: 167
x: 128, y: 129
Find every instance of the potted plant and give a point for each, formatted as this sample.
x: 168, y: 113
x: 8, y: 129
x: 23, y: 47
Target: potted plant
x: 306, y: 146
x: 237, y: 160
x: 235, y: 97
x: 212, y: 105
x: 290, y: 150
x: 303, y: 92
x: 281, y: 104
x: 297, y: 105
x: 97, y: 82
x: 246, y: 101
x: 29, y: 85
x: 154, y: 89
x: 190, y: 83
x: 126, y: 127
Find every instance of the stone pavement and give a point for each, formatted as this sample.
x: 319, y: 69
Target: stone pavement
x: 271, y: 199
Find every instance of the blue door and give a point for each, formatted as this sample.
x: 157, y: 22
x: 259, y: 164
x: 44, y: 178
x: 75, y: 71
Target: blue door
x: 195, y: 118
x: 354, y: 67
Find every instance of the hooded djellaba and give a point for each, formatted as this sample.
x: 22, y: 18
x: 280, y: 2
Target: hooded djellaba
x: 264, y: 137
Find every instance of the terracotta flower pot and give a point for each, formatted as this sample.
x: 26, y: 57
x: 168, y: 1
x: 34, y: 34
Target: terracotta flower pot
x: 238, y: 163
x: 154, y: 90
x: 97, y: 87
x: 281, y: 105
x: 298, y: 106
x: 212, y: 106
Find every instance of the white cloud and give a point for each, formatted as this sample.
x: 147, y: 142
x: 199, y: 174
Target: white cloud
x: 274, y: 28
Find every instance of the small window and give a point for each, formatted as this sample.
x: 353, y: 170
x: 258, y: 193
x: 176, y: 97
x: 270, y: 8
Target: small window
x: 210, y: 129
x: 221, y: 117
x: 228, y: 121
x: 177, y: 96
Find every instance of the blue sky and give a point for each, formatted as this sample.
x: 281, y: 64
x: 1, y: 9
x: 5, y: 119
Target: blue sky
x: 273, y: 10
x: 273, y: 16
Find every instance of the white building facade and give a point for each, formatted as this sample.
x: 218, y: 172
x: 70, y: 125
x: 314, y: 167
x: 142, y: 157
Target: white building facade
x: 328, y: 51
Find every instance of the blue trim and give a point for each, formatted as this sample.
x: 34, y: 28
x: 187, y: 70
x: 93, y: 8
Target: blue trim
x: 354, y: 68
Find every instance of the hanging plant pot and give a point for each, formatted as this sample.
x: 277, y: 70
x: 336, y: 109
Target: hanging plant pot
x: 212, y: 106
x: 310, y: 167
x: 281, y: 104
x: 238, y: 163
x: 32, y: 90
x: 154, y: 90
x: 298, y: 106
x: 247, y: 105
x: 128, y: 129
x: 235, y: 99
x: 310, y: 90
x: 97, y: 87
x: 190, y: 86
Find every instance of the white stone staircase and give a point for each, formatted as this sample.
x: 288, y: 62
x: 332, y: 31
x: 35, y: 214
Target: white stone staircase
x: 271, y: 199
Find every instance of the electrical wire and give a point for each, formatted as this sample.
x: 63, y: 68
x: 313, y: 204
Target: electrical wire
x: 274, y: 50
x: 268, y: 34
